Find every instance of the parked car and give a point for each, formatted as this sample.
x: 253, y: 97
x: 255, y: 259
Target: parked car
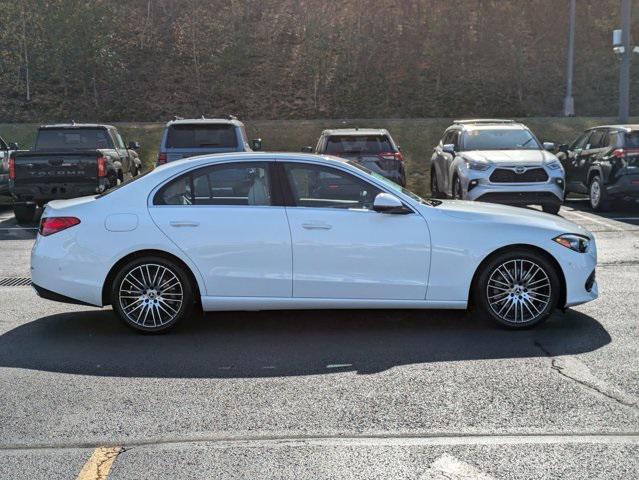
x: 183, y: 138
x: 497, y: 161
x: 5, y: 152
x: 374, y: 148
x: 69, y: 160
x: 192, y: 231
x: 603, y: 163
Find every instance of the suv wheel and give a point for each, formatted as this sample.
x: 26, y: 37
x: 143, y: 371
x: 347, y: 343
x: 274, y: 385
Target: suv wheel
x: 552, y: 208
x: 434, y: 185
x: 152, y: 294
x: 597, y: 194
x: 458, y: 191
x: 517, y: 289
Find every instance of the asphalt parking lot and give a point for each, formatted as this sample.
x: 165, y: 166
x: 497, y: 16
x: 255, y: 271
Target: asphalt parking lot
x: 324, y: 394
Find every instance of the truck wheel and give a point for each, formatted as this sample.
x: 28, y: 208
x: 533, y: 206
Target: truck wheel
x: 24, y: 213
x: 598, y: 195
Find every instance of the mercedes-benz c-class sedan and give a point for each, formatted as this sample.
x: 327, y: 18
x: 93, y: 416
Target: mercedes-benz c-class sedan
x: 260, y: 231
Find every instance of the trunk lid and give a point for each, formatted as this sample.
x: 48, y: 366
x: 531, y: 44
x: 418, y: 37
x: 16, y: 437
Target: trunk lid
x: 58, y: 167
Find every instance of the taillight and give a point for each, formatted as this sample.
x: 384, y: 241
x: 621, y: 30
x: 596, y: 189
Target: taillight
x: 392, y: 156
x: 101, y: 167
x: 51, y: 225
x: 619, y: 153
x: 161, y: 158
x: 12, y: 168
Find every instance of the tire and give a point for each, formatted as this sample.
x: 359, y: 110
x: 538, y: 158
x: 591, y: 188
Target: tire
x: 434, y: 185
x: 152, y: 309
x: 597, y: 195
x: 552, y: 208
x: 24, y: 213
x: 517, y: 304
x: 458, y: 191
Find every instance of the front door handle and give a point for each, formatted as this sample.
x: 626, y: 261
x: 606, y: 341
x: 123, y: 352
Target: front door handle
x: 316, y: 226
x: 183, y: 223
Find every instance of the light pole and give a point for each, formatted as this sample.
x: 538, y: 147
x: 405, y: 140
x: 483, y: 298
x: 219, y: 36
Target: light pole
x: 569, y: 101
x: 624, y: 70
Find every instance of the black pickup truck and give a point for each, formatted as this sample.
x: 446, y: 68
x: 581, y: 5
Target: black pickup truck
x: 68, y: 161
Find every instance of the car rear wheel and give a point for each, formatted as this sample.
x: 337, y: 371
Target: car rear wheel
x: 24, y: 213
x: 597, y: 194
x: 517, y: 289
x: 152, y: 294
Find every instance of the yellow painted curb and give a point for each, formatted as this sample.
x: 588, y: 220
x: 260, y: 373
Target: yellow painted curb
x: 99, y: 464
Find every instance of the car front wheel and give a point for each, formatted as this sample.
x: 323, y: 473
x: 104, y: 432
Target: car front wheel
x: 458, y: 191
x: 152, y: 294
x: 597, y: 194
x: 517, y: 288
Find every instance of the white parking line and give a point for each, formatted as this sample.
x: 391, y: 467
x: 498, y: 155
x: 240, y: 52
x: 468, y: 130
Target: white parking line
x: 596, y: 220
x: 451, y: 468
x: 339, y: 365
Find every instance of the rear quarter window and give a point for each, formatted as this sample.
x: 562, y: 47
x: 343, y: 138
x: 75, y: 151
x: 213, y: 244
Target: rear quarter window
x: 631, y: 139
x: 201, y: 136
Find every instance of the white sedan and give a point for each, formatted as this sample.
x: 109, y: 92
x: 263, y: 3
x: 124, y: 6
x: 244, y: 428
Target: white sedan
x: 263, y: 231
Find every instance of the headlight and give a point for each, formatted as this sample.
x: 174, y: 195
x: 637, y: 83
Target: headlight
x: 553, y: 164
x: 477, y: 164
x: 578, y: 243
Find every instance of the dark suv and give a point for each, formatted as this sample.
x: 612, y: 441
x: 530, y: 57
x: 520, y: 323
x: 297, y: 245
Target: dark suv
x: 604, y: 164
x: 371, y: 148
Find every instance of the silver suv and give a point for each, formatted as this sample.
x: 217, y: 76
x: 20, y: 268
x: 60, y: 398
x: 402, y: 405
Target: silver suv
x: 497, y: 161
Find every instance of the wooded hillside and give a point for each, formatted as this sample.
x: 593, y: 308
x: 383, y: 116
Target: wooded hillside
x: 111, y: 60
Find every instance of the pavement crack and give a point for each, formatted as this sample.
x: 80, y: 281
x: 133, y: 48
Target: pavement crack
x: 575, y: 370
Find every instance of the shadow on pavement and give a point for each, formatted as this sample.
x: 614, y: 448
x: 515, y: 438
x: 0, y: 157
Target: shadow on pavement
x: 284, y: 343
x: 626, y: 212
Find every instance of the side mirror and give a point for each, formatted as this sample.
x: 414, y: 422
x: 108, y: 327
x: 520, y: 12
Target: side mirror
x: 307, y: 149
x: 14, y: 146
x: 134, y: 145
x: 449, y: 148
x: 387, y: 203
x: 550, y: 146
x: 256, y: 144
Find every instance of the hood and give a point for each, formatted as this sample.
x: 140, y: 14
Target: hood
x: 496, y: 213
x: 530, y: 158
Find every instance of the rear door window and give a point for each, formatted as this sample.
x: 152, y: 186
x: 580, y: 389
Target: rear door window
x: 244, y: 183
x: 597, y: 139
x: 201, y: 136
x: 356, y: 144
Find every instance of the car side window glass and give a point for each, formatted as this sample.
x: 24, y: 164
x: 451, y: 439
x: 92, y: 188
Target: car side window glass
x: 580, y: 143
x: 176, y: 192
x: 595, y: 140
x: 447, y: 138
x: 326, y: 187
x: 232, y: 184
x: 455, y: 140
x: 119, y: 140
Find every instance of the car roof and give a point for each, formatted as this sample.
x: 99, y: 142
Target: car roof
x: 206, y: 121
x: 627, y: 127
x: 355, y: 131
x: 77, y: 125
x: 485, y: 123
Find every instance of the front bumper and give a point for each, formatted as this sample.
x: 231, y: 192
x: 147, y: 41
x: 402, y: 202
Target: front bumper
x: 476, y: 185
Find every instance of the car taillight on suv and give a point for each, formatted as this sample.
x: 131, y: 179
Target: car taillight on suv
x: 12, y: 168
x: 161, y: 158
x: 622, y: 152
x: 392, y: 156
x: 51, y: 225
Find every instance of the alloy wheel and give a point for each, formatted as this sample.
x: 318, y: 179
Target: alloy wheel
x: 518, y: 291
x: 150, y: 295
x: 595, y: 194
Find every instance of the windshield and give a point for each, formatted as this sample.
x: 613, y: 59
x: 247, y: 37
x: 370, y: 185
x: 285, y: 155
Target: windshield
x: 394, y: 186
x: 355, y: 144
x: 499, y: 139
x: 201, y: 136
x: 72, y: 139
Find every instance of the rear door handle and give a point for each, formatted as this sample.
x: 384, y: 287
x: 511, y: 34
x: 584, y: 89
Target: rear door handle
x: 183, y: 223
x: 316, y: 226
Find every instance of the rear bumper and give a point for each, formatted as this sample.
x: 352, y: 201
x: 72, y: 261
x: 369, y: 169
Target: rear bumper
x: 625, y: 186
x: 57, y: 297
x: 53, y: 191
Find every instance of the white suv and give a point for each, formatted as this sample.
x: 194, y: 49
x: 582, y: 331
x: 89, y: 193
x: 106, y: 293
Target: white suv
x: 497, y: 161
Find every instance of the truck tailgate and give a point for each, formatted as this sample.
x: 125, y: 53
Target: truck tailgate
x: 63, y: 167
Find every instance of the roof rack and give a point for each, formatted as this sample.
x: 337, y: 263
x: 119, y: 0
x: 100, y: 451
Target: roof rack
x: 176, y: 117
x: 483, y: 120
